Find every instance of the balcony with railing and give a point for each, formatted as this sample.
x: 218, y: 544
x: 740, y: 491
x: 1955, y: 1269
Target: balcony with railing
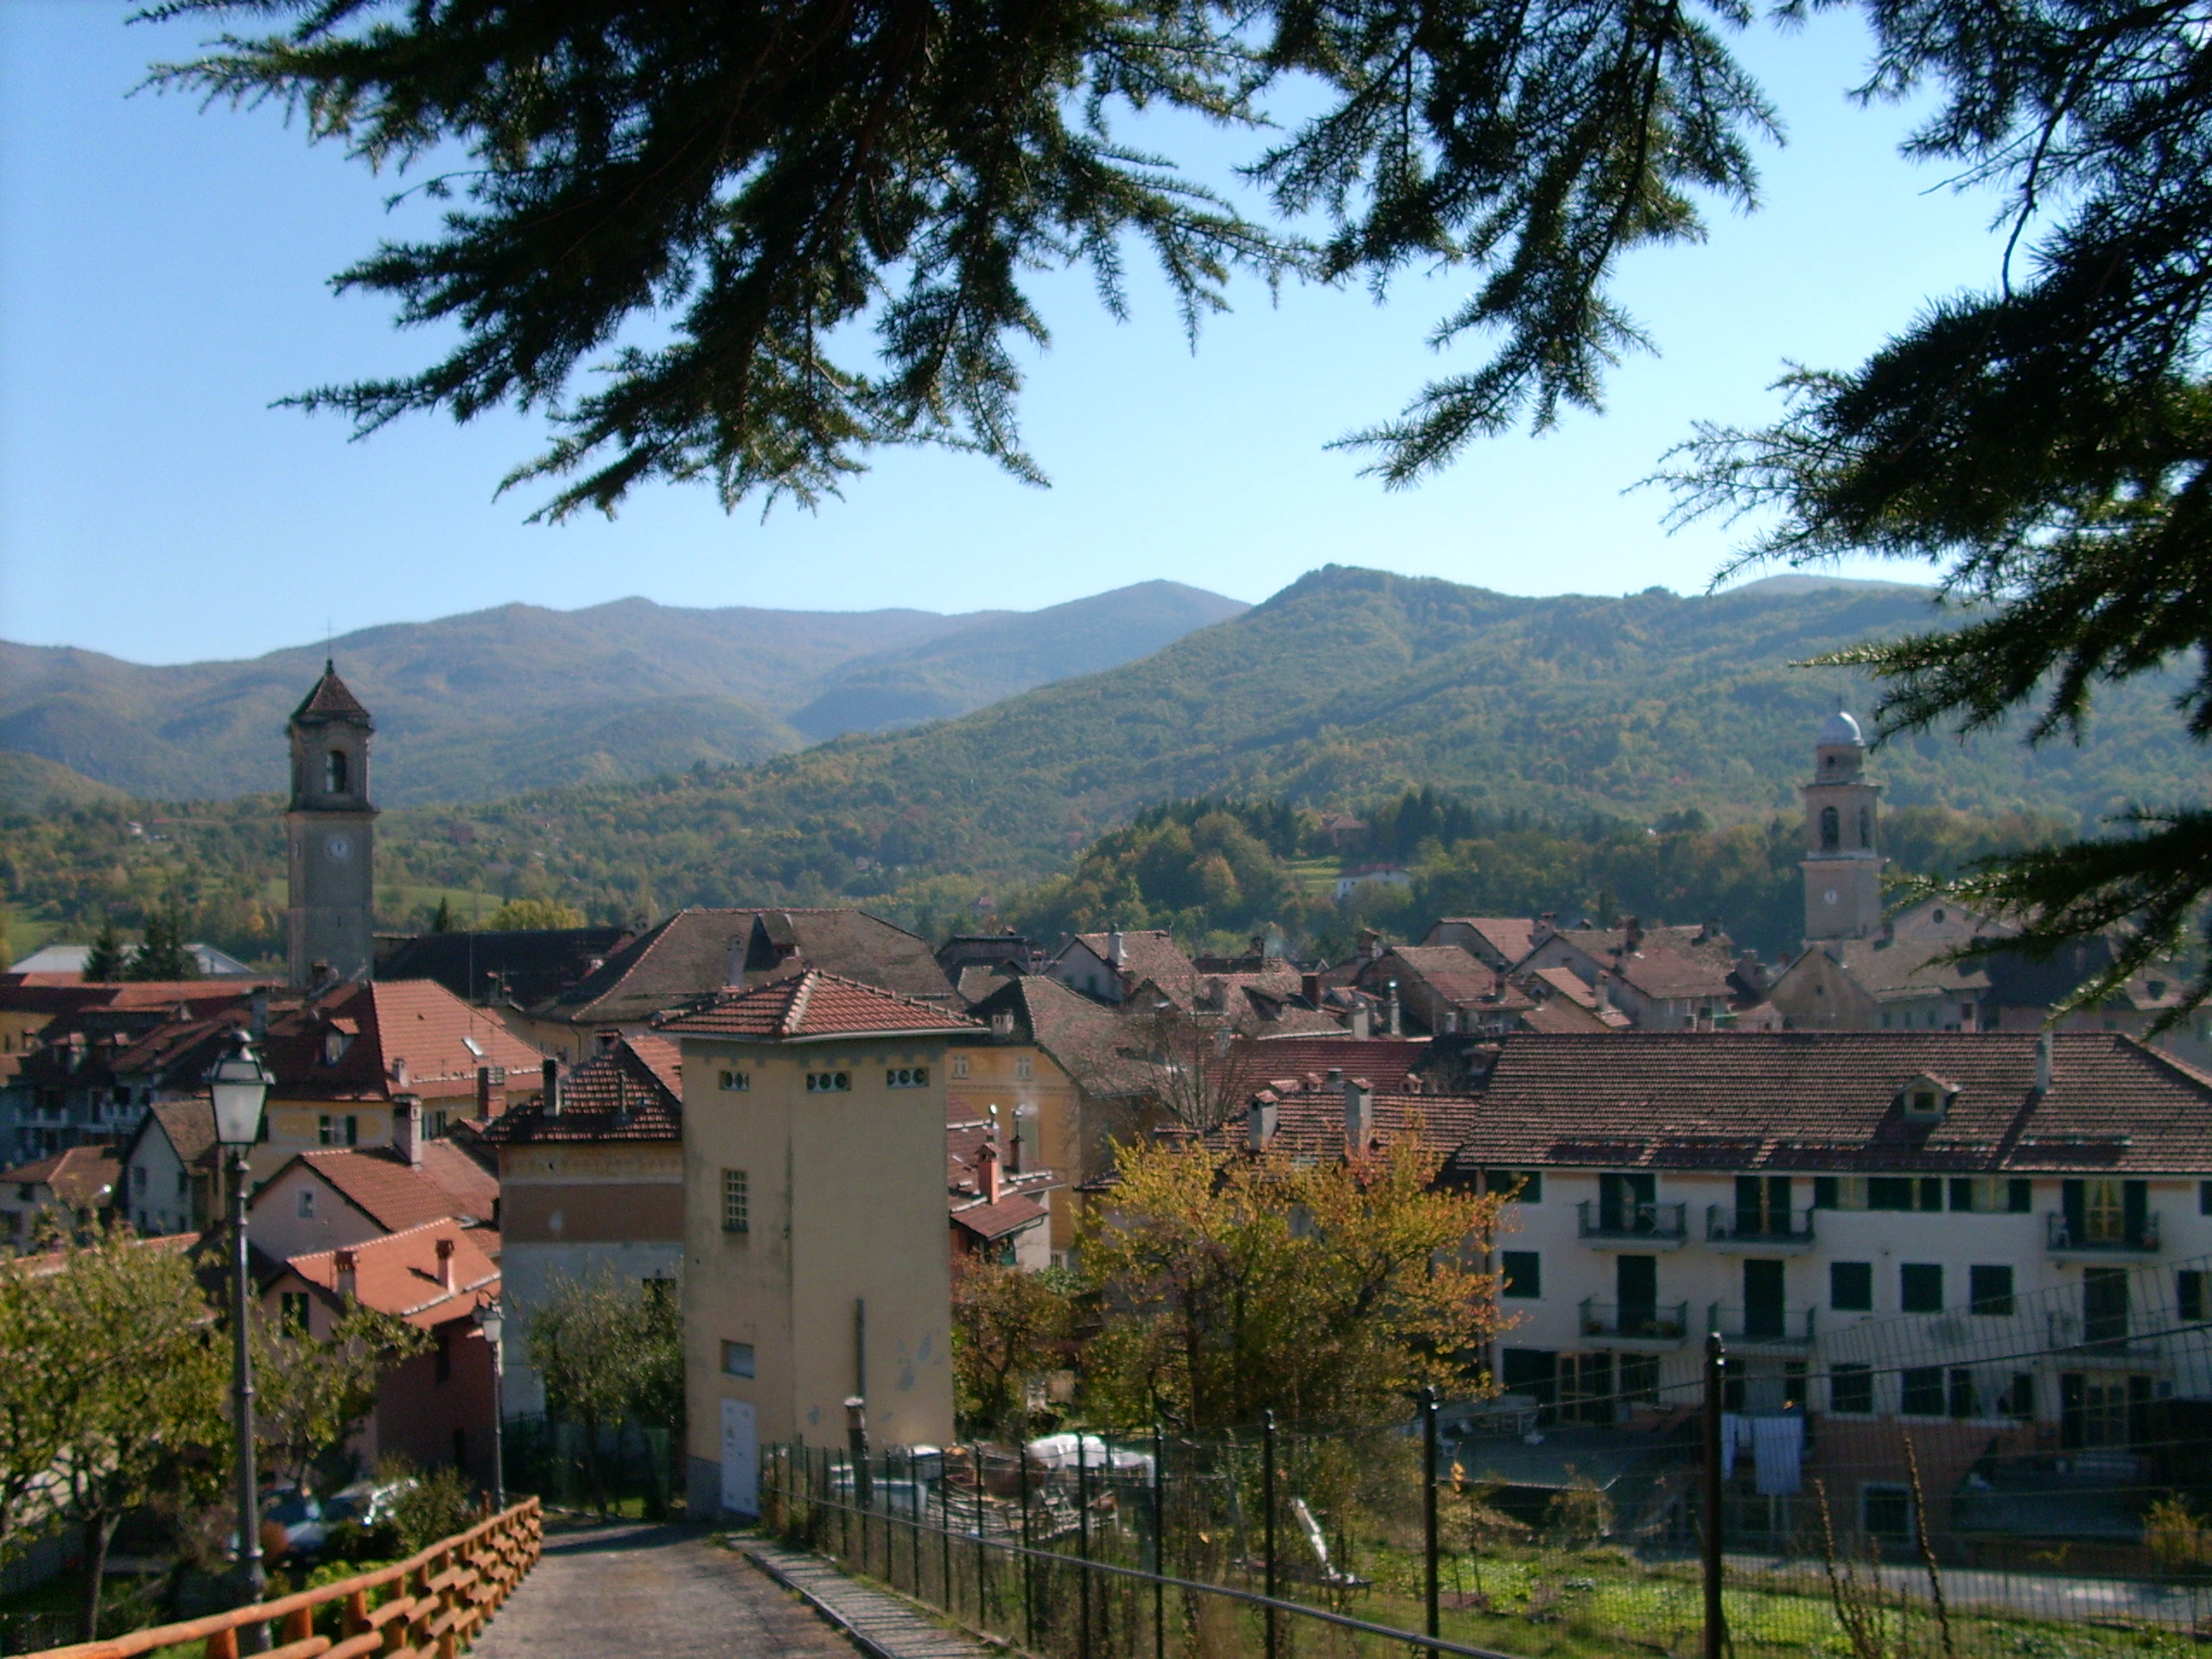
x: 2102, y: 1238
x: 1771, y: 1327
x: 1768, y: 1232
x: 1636, y: 1327
x: 1633, y: 1226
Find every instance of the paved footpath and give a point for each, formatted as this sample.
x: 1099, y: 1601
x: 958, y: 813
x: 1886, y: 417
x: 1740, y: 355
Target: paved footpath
x: 635, y: 1591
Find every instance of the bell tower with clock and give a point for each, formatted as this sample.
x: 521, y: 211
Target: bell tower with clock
x: 1843, y: 857
x: 330, y: 835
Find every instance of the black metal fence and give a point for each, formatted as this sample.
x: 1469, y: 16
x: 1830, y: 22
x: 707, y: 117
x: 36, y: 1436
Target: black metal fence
x: 615, y: 1469
x: 2027, y: 1476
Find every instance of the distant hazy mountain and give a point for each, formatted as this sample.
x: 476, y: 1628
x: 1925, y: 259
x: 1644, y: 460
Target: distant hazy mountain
x: 473, y: 706
x: 1348, y: 685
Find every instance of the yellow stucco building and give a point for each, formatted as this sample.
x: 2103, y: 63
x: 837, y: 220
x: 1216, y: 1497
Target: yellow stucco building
x: 816, y: 1265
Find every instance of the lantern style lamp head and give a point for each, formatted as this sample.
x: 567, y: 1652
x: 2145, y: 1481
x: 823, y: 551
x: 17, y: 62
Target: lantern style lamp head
x: 490, y: 1320
x: 237, y: 1086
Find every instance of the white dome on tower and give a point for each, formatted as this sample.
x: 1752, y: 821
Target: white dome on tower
x: 1840, y: 728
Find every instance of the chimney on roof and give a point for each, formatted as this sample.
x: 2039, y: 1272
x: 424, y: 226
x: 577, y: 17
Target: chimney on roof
x: 1632, y: 935
x: 1395, y: 1029
x: 550, y: 1071
x: 1359, y: 1115
x: 1116, y: 950
x: 348, y: 1287
x: 1309, y: 987
x: 445, y: 1264
x: 484, y: 1091
x: 1370, y: 944
x: 1336, y: 1077
x: 1260, y: 946
x: 2043, y: 1059
x: 1003, y: 1025
x: 257, y: 1013
x: 407, y: 1130
x: 1260, y: 1123
x: 986, y: 1165
x: 1451, y: 1022
x: 1361, y: 1022
x: 400, y: 1072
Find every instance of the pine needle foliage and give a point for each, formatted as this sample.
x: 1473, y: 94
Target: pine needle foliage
x: 2043, y: 444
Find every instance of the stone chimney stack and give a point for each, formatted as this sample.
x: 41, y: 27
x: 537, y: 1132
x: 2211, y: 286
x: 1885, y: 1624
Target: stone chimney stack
x: 445, y: 1264
x: 407, y: 1130
x: 1359, y: 1115
x: 2044, y: 1066
x: 348, y: 1284
x: 483, y: 1091
x: 1260, y: 1123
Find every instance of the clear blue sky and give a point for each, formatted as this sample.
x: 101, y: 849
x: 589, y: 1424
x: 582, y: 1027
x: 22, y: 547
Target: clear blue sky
x: 162, y: 279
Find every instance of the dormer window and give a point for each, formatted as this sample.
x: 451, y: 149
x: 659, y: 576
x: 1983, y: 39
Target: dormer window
x: 334, y: 1045
x: 1925, y: 1099
x: 334, y: 773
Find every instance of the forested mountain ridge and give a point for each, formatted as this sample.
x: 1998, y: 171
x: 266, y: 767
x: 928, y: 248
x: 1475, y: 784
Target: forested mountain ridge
x: 1591, y: 715
x: 493, y: 703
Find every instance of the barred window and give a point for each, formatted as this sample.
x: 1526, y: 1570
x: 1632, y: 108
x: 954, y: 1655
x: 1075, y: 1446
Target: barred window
x: 907, y: 1076
x: 735, y: 1082
x: 737, y: 1206
x: 826, y: 1082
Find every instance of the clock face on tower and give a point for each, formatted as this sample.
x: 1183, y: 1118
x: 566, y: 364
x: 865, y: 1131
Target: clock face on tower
x: 338, y: 848
x: 1827, y: 898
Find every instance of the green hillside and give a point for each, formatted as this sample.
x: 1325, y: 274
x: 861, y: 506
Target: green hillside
x: 1578, y: 717
x: 476, y: 707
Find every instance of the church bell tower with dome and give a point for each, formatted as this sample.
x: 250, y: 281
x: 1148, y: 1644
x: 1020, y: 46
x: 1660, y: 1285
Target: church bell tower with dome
x: 1843, y: 857
x: 330, y: 837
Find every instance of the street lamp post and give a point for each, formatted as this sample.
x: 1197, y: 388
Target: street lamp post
x: 237, y: 1087
x: 491, y: 1321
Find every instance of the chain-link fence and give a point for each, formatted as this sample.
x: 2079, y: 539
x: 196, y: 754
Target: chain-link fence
x: 2028, y: 1475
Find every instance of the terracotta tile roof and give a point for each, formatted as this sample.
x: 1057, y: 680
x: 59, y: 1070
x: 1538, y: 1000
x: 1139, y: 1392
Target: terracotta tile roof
x: 1146, y: 953
x: 812, y: 1006
x: 392, y: 1193
x: 1451, y: 974
x: 398, y: 1273
x: 1561, y: 1013
x: 632, y: 1092
x: 1389, y: 1063
x: 1011, y: 1214
x: 1664, y: 972
x: 83, y: 1177
x: 1827, y: 1101
x: 528, y: 966
x: 1568, y: 983
x: 189, y: 1125
x: 699, y: 951
x: 1095, y: 1044
x: 1511, y: 937
x: 329, y: 700
x: 1888, y: 969
x: 1310, y: 1118
x: 414, y: 1020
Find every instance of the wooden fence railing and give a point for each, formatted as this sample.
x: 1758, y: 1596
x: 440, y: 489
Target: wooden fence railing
x: 431, y: 1606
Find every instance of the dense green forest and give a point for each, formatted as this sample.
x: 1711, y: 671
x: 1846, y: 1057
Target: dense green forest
x: 1640, y: 754
x: 1216, y: 872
